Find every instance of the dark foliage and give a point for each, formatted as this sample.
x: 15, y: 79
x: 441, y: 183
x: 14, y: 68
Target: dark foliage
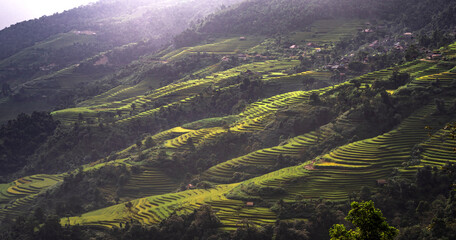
x: 21, y: 137
x: 280, y: 16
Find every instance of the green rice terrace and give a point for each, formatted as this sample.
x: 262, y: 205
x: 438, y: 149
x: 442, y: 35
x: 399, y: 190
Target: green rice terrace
x: 16, y: 197
x: 328, y: 31
x: 230, y: 119
x: 353, y: 165
x: 274, y: 131
x: 333, y: 175
x: 125, y: 102
x: 224, y: 46
x: 350, y: 165
x: 176, y: 94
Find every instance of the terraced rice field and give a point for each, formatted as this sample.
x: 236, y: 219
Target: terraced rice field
x: 174, y: 94
x: 280, y: 101
x: 121, y: 93
x: 16, y: 197
x: 329, y: 31
x: 348, y: 168
x: 148, y: 183
x: 154, y: 209
x: 267, y: 157
x: 418, y: 69
x: 28, y: 185
x: 227, y: 46
x: 197, y: 136
x: 293, y: 82
x: 439, y: 149
x: 449, y: 51
x: 440, y: 71
x: 332, y: 176
x: 17, y: 207
x: 254, y: 118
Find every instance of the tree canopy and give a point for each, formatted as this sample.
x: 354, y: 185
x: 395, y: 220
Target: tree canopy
x: 369, y: 223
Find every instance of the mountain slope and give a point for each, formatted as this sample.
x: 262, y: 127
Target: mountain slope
x: 97, y: 39
x: 265, y: 130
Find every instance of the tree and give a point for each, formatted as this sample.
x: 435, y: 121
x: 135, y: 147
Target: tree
x: 357, y: 66
x: 399, y: 78
x: 411, y: 53
x: 149, y: 142
x: 369, y: 222
x: 51, y: 229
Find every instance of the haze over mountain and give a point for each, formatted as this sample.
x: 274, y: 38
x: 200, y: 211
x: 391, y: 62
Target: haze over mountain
x: 232, y: 119
x: 13, y: 12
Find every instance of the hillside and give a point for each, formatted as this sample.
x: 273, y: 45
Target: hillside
x: 262, y: 120
x: 90, y: 43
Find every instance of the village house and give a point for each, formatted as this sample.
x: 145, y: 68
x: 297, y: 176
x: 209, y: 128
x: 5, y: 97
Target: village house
x: 225, y: 59
x: 337, y: 67
x: 408, y: 35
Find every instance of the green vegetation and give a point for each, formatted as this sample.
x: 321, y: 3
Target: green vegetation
x: 174, y: 95
x: 263, y: 120
x: 228, y: 46
x: 369, y: 223
x: 21, y: 137
x: 328, y: 31
x: 17, y: 197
